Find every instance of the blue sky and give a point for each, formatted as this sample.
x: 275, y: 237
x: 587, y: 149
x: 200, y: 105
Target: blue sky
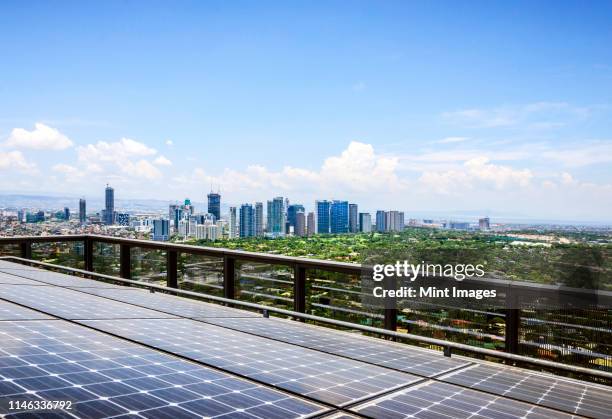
x: 410, y: 105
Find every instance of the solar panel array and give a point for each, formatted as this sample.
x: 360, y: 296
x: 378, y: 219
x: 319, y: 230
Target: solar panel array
x: 375, y: 351
x: 165, y: 356
x: 105, y: 376
x: 323, y: 377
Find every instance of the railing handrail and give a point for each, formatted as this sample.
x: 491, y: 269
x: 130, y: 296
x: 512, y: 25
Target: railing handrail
x: 408, y: 336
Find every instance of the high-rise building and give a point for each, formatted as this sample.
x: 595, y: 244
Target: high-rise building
x: 300, y: 224
x: 276, y: 217
x: 353, y: 218
x: 233, y: 223
x: 172, y: 216
x: 381, y: 221
x: 188, y: 208
x: 109, y: 207
x: 311, y: 225
x: 484, y: 223
x: 259, y: 219
x: 247, y: 221
x: 82, y: 211
x: 161, y: 230
x: 292, y: 211
x: 122, y: 219
x: 394, y: 221
x: 214, y: 205
x: 365, y: 222
x: 66, y: 213
x: 322, y: 214
x: 339, y: 215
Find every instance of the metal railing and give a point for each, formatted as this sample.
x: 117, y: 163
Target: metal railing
x: 299, y: 266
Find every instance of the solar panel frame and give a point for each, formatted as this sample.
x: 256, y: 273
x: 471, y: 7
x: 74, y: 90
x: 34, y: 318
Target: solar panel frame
x: 154, y: 380
x: 323, y: 377
x: 44, y: 277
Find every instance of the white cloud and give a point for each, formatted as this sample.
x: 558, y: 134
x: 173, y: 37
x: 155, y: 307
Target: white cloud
x: 42, y: 137
x: 66, y: 169
x: 475, y: 173
x: 583, y: 155
x: 15, y: 160
x: 162, y: 161
x: 169, y: 143
x: 449, y: 140
x: 538, y: 115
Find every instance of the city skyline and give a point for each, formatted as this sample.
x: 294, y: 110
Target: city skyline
x: 410, y: 106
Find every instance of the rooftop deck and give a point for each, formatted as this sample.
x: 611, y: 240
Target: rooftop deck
x: 123, y: 351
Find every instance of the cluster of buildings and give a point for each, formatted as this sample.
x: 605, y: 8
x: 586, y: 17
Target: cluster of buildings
x: 280, y: 218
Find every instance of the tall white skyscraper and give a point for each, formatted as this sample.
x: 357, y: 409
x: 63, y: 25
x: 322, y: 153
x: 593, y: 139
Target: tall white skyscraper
x: 233, y: 223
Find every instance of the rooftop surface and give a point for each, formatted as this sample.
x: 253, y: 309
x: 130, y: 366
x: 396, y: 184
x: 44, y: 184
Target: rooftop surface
x: 117, y: 351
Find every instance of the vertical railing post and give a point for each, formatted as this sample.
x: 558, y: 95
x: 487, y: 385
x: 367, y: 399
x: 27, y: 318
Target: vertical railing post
x: 299, y: 289
x: 125, y: 261
x: 172, y: 268
x: 88, y: 254
x: 26, y: 250
x: 229, y: 277
x: 513, y: 320
x: 390, y: 304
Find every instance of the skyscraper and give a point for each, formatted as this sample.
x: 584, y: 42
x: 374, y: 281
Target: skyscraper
x: 311, y: 225
x: 109, y: 208
x: 161, y: 230
x: 276, y: 217
x: 66, y: 213
x: 365, y: 222
x: 339, y: 217
x: 322, y: 213
x: 484, y: 223
x: 381, y: 221
x: 259, y: 220
x: 292, y: 211
x: 300, y: 224
x: 247, y: 221
x: 82, y: 211
x: 233, y: 224
x: 394, y: 221
x: 172, y: 215
x: 214, y: 205
x: 353, y: 218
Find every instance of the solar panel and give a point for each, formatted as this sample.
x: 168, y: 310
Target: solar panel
x: 179, y: 306
x: 104, y: 376
x: 9, y: 311
x: 371, y: 350
x: 62, y: 280
x: 16, y: 280
x: 441, y: 400
x: 571, y: 396
x: 71, y: 304
x: 323, y: 377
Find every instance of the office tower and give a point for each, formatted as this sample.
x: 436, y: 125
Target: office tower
x: 353, y: 218
x: 214, y: 205
x: 276, y: 217
x: 259, y: 220
x: 300, y: 224
x: 484, y: 223
x: 82, y: 211
x: 188, y: 208
x: 109, y: 207
x: 233, y: 223
x: 365, y: 222
x: 311, y: 225
x: 339, y: 217
x: 394, y: 221
x: 292, y: 211
x: 66, y: 213
x: 322, y: 213
x: 161, y: 230
x: 21, y: 216
x: 381, y: 221
x: 122, y: 219
x: 247, y: 220
x: 172, y: 208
